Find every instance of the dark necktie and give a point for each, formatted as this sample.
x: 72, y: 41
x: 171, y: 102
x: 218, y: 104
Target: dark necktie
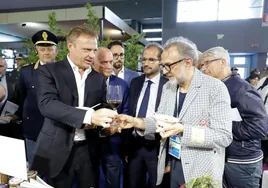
x: 145, y: 101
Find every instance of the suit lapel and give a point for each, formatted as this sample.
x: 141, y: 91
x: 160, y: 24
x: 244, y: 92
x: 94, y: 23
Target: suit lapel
x: 192, y: 92
x: 137, y: 93
x: 126, y: 75
x: 89, y: 84
x: 69, y: 78
x: 159, y: 92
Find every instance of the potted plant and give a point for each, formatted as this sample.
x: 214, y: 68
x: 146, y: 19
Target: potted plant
x: 205, y: 181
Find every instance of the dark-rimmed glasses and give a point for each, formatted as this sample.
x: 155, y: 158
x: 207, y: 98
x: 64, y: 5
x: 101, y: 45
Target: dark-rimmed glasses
x: 206, y: 63
x: 121, y: 55
x: 168, y: 66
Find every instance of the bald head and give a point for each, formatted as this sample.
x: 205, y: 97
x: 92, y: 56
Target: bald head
x: 103, y: 62
x: 3, y: 66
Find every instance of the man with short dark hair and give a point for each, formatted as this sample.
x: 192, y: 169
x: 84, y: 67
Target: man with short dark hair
x: 145, y: 96
x: 118, y: 50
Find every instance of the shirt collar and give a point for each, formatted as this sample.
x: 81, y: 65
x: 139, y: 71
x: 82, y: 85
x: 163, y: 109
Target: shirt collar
x: 154, y: 79
x: 108, y: 80
x: 74, y: 67
x: 123, y: 69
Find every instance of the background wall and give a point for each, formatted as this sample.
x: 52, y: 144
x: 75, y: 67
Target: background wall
x: 125, y: 9
x: 239, y: 35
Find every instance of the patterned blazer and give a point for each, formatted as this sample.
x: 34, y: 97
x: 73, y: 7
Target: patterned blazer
x: 207, y: 127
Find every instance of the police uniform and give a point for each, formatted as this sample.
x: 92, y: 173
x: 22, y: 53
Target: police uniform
x: 31, y: 116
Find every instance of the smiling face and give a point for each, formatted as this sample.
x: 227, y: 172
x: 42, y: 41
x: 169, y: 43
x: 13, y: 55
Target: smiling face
x: 47, y: 54
x: 150, y: 62
x: 82, y: 51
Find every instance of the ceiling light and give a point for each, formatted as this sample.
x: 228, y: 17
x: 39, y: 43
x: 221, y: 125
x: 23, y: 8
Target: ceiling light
x: 151, y: 30
x: 153, y: 39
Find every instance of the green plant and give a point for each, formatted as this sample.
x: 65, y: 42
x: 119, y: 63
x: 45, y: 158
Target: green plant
x: 61, y: 46
x: 205, y: 181
x: 29, y: 46
x: 93, y: 20
x: 133, y: 50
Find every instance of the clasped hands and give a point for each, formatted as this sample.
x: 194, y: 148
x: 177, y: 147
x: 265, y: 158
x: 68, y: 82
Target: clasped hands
x: 106, y: 118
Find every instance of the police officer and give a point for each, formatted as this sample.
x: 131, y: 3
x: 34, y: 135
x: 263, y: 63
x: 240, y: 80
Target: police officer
x: 46, y: 49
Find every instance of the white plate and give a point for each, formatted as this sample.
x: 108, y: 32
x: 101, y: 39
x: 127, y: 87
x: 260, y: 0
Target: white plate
x: 163, y: 120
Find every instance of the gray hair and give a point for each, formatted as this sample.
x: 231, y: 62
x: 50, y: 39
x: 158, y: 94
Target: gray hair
x: 156, y: 45
x: 217, y: 52
x: 185, y: 47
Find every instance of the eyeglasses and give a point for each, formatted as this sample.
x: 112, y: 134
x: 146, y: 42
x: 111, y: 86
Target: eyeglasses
x: 168, y: 66
x: 121, y: 55
x: 151, y: 60
x: 206, y: 63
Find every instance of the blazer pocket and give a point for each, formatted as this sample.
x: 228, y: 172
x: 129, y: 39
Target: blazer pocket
x: 47, y: 133
x: 45, y: 141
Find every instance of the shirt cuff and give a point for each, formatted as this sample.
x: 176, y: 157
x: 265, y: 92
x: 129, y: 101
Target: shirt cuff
x: 139, y: 132
x: 88, y: 116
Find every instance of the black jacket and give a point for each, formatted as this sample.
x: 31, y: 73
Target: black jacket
x: 247, y: 134
x: 32, y: 119
x: 57, y: 97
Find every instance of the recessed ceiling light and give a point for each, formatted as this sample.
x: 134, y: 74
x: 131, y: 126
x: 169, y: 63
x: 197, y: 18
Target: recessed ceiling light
x: 151, y: 30
x: 153, y: 39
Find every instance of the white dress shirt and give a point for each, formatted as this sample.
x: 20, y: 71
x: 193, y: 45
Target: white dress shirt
x: 80, y: 83
x: 152, y: 98
x: 121, y: 73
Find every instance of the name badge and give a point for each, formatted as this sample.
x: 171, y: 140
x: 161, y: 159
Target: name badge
x: 175, y: 146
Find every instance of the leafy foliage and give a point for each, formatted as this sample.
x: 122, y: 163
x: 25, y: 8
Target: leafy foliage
x: 32, y: 56
x: 62, y: 46
x: 205, y: 181
x: 133, y: 50
x: 93, y: 20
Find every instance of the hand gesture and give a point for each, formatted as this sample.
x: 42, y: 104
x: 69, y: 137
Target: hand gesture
x: 170, y: 130
x: 103, y: 117
x: 125, y: 121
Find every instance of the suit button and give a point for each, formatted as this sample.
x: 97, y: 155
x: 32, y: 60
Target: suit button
x: 27, y: 118
x: 32, y: 86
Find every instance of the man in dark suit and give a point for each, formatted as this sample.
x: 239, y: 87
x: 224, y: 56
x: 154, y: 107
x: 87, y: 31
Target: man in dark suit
x: 111, y: 143
x: 118, y: 51
x: 32, y: 120
x: 145, y: 94
x: 67, y: 93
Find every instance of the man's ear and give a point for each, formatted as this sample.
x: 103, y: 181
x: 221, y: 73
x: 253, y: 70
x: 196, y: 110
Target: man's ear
x: 223, y: 63
x: 188, y: 62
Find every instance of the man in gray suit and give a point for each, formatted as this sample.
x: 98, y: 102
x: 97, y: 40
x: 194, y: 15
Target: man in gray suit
x: 201, y: 105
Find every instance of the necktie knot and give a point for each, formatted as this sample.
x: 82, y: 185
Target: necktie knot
x: 149, y: 83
